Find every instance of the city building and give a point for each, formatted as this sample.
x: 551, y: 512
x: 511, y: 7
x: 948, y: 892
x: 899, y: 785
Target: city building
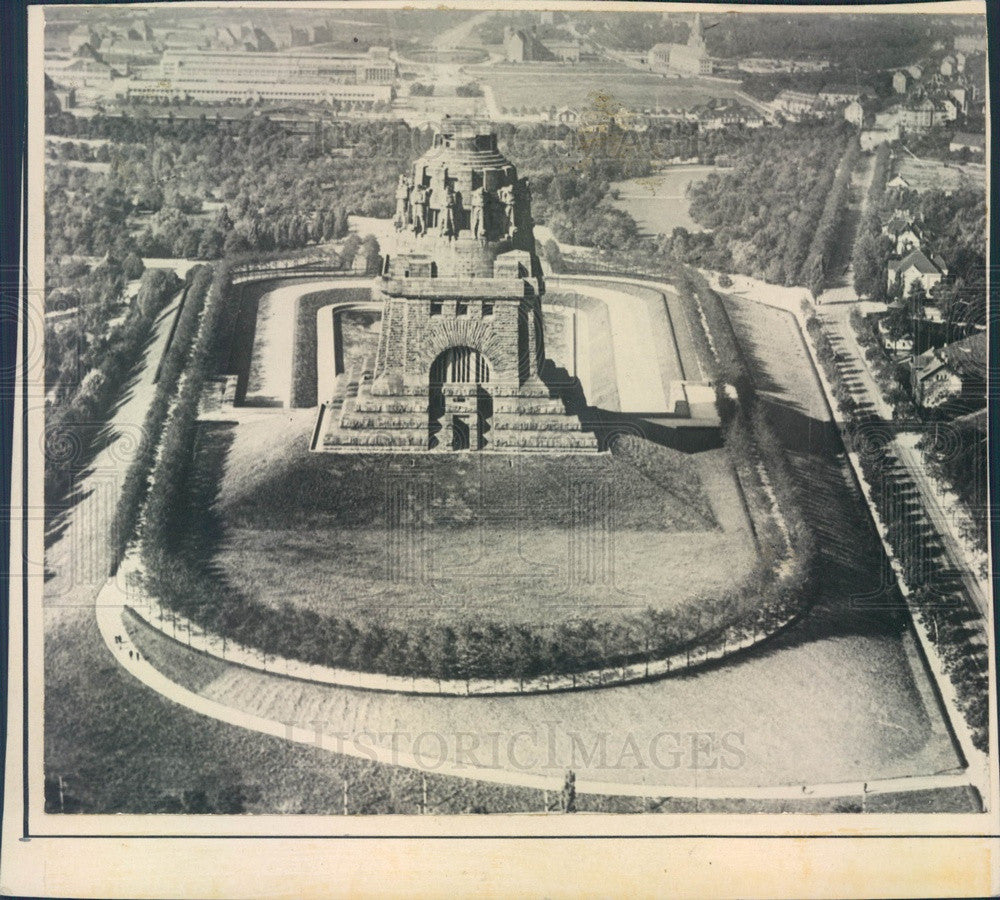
x: 260, y: 90
x: 971, y: 43
x: 765, y: 66
x: 80, y: 36
x: 921, y: 114
x: 837, y: 94
x: 524, y: 45
x: 857, y: 114
x: 691, y: 58
x: 915, y: 266
x: 373, y: 67
x: 796, y: 103
x: 123, y: 53
x: 83, y: 73
x: 728, y: 114
x: 460, y: 357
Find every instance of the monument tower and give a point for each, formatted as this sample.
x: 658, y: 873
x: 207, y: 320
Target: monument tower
x: 461, y: 343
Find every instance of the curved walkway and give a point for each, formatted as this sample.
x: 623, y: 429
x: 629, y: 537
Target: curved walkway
x: 111, y: 606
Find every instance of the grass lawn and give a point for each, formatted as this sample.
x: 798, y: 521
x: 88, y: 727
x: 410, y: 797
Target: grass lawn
x: 122, y: 748
x: 517, y: 85
x: 441, y: 537
x: 659, y: 203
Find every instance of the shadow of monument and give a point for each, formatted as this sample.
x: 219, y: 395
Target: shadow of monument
x: 610, y: 425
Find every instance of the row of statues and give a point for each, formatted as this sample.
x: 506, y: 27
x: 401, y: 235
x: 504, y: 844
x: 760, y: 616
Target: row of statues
x: 413, y: 209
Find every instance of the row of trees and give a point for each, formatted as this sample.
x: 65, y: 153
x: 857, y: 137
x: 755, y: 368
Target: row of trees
x: 871, y: 247
x: 91, y: 381
x: 816, y: 268
x: 171, y: 367
x: 947, y: 616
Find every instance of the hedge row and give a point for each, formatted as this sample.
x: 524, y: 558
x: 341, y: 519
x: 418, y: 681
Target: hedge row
x: 815, y: 268
x: 71, y: 427
x: 869, y: 250
x: 170, y: 368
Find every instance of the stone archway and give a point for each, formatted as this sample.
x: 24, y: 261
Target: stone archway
x: 460, y: 405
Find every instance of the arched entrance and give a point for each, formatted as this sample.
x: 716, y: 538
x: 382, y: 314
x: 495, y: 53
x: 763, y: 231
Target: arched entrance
x: 460, y: 406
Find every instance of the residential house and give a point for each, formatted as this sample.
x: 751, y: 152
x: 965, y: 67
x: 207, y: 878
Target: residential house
x: 949, y: 108
x: 964, y: 140
x: 961, y: 97
x: 899, y: 347
x: 947, y: 67
x: 915, y: 72
x: 960, y: 61
x: 921, y: 114
x: 900, y: 81
x: 898, y: 181
x: 956, y: 371
x: 905, y: 235
x: 915, y: 266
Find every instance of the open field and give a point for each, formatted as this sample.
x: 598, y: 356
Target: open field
x: 440, y: 538
x: 659, y: 203
x: 934, y: 175
x: 541, y: 85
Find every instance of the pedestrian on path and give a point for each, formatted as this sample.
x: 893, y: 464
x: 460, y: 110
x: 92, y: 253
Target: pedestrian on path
x: 130, y: 654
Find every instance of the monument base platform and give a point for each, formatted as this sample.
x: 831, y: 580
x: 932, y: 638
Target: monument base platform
x: 363, y: 418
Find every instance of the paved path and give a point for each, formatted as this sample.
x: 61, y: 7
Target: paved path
x: 865, y: 389
x: 78, y: 555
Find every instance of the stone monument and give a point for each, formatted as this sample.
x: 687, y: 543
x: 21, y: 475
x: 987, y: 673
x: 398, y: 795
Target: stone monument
x: 461, y: 344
